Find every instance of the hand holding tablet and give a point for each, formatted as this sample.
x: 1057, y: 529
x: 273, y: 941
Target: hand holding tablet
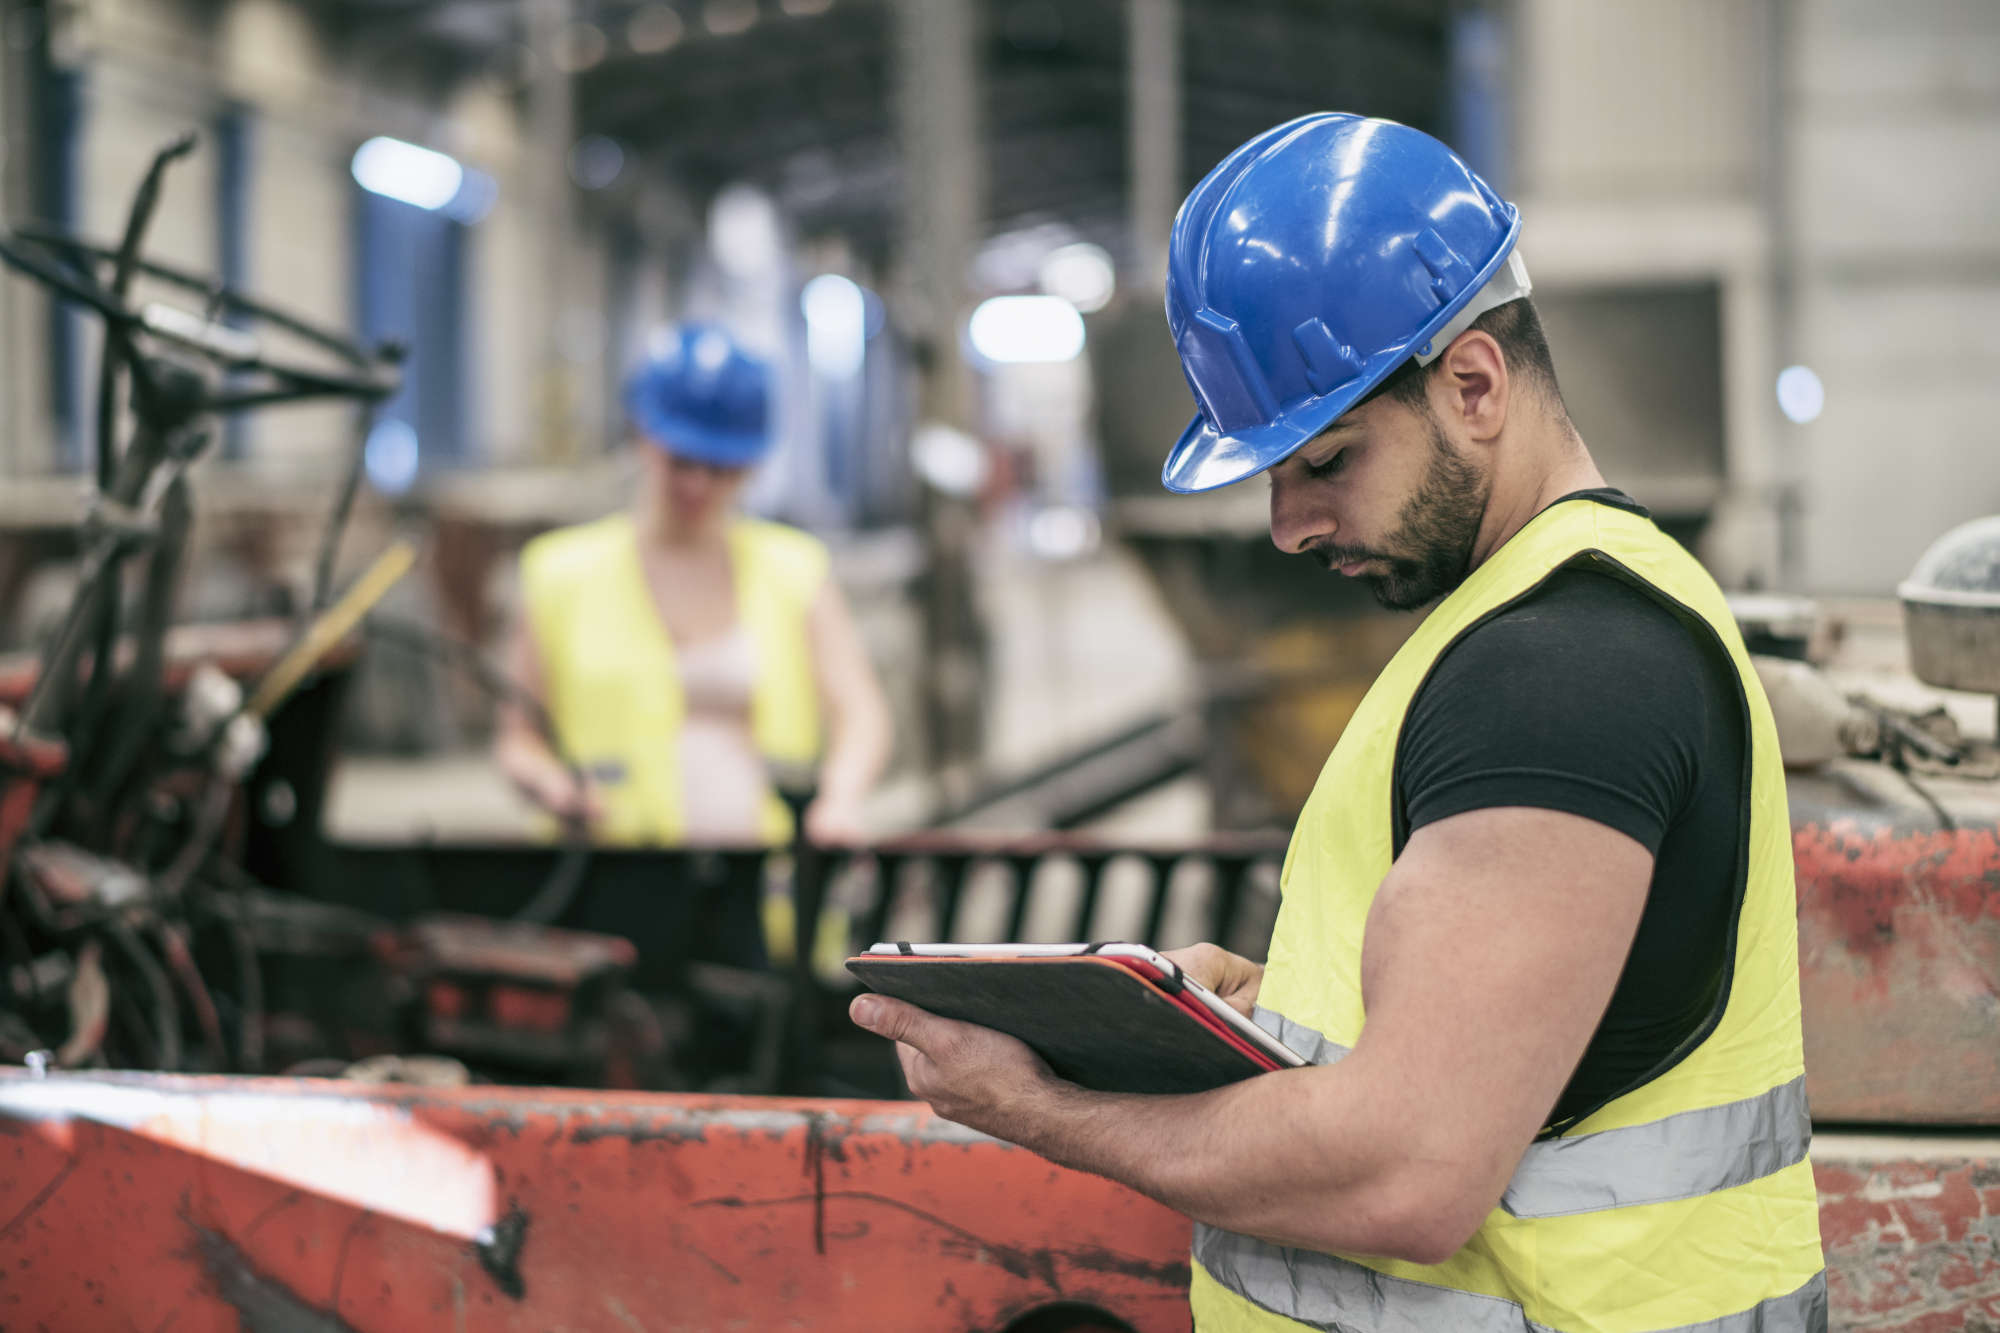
x: 1113, y: 1017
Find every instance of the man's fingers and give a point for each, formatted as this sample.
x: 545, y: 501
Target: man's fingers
x: 1206, y: 963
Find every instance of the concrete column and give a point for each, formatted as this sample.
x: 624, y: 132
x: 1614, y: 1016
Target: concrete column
x: 1153, y: 140
x: 937, y: 111
x: 1747, y: 544
x: 544, y: 178
x: 14, y: 383
x: 937, y: 108
x: 1781, y: 455
x: 1744, y: 545
x: 27, y: 424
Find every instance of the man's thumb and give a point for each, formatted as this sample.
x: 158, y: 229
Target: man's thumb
x: 884, y: 1017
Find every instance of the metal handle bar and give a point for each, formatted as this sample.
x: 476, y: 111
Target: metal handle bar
x: 34, y: 250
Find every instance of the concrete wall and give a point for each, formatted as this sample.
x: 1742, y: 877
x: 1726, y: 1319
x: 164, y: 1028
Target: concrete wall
x: 1892, y: 191
x: 1622, y: 99
x: 1639, y: 162
x: 1834, y: 166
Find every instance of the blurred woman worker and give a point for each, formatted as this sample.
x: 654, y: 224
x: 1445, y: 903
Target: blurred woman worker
x: 682, y: 649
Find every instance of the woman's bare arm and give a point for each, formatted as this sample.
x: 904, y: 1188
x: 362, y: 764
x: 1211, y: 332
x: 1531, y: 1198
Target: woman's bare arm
x: 858, y: 731
x: 520, y: 748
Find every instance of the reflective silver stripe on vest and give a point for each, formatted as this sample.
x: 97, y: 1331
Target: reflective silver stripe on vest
x: 1316, y: 1049
x: 1325, y: 1292
x: 1679, y: 1156
x: 1676, y: 1157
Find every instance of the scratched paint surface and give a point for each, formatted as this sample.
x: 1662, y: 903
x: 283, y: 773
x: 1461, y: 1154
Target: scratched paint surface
x: 609, y: 1211
x: 1899, y: 960
x: 1912, y: 1242
x: 294, y: 1206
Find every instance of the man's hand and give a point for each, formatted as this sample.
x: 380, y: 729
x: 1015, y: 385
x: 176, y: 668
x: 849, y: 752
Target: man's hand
x: 1235, y: 980
x: 982, y: 1079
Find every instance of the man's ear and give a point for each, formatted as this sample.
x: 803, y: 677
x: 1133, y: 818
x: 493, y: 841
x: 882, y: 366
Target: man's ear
x: 1471, y: 385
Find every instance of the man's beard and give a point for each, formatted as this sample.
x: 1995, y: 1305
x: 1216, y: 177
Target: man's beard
x: 1439, y: 525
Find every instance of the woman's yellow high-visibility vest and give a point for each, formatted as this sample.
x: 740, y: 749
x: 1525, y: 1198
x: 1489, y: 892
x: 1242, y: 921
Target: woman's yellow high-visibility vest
x: 612, y: 688
x: 1685, y: 1203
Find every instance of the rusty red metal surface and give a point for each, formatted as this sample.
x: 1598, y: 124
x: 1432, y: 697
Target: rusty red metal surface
x: 213, y: 1204
x: 1912, y: 1231
x: 209, y: 1205
x: 1899, y: 957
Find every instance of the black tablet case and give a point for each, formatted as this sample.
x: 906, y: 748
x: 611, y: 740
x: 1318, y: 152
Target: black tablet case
x: 1097, y: 1022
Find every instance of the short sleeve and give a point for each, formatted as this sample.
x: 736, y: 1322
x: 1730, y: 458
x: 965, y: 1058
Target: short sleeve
x: 1590, y: 697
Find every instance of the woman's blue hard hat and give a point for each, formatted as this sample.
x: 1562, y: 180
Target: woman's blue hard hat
x: 1308, y: 266
x: 701, y: 396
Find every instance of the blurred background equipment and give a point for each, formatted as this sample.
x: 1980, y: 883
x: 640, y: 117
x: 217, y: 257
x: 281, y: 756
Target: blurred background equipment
x: 876, y: 196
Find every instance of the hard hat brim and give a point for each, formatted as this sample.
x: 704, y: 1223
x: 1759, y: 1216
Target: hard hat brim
x: 1206, y: 458
x: 685, y: 438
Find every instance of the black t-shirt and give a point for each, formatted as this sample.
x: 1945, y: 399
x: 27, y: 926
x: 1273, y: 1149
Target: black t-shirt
x: 1592, y: 697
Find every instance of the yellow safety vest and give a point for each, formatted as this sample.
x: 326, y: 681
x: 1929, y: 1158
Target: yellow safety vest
x: 608, y: 665
x: 1685, y: 1203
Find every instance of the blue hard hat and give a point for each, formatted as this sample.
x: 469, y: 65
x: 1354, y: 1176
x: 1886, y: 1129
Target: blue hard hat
x: 701, y: 396
x: 1307, y: 267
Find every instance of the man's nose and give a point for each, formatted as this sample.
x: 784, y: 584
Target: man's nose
x: 1295, y: 520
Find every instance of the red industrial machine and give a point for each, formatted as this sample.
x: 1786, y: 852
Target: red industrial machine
x: 134, y: 1200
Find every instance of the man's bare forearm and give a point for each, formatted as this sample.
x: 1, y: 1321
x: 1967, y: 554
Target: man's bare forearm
x: 1241, y: 1157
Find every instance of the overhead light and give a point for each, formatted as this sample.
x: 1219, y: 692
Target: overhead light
x: 1080, y: 274
x: 417, y: 176
x: 1014, y: 330
x: 653, y: 28
x: 391, y: 456
x: 744, y: 232
x: 1064, y: 532
x: 728, y: 18
x: 948, y: 459
x: 579, y: 47
x: 1801, y: 396
x: 836, y: 314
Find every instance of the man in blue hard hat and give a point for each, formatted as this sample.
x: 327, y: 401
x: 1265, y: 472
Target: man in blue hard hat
x: 1537, y: 935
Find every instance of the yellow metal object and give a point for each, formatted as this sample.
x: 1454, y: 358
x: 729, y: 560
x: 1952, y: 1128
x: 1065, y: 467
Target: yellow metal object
x: 333, y: 625
x: 1318, y: 672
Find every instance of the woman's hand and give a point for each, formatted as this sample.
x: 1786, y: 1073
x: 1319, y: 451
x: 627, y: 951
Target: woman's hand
x: 523, y: 752
x: 566, y: 795
x: 1234, y: 979
x: 551, y: 784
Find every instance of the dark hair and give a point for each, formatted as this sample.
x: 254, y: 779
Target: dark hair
x: 1518, y: 330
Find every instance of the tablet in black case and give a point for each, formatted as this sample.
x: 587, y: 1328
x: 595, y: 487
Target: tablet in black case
x: 1095, y: 1021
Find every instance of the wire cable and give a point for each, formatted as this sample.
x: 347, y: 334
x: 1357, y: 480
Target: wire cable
x: 564, y: 881
x: 166, y: 1013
